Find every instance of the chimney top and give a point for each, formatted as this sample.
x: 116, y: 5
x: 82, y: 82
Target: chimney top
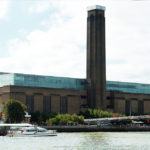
x: 98, y: 7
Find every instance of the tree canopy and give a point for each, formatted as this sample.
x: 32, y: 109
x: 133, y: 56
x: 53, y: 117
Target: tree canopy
x: 14, y: 111
x: 97, y: 113
x: 41, y: 117
x: 66, y: 119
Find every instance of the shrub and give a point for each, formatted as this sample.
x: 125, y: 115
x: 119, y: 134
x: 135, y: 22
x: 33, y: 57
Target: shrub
x: 66, y: 119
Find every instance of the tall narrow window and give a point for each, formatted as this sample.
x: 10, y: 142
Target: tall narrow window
x: 63, y: 105
x: 128, y: 107
x: 140, y: 107
x: 30, y: 103
x: 47, y: 104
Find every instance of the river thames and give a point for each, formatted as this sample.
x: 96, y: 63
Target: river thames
x: 80, y: 141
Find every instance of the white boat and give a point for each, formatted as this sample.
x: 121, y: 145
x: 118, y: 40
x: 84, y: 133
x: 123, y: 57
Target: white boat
x: 33, y: 131
x: 22, y: 130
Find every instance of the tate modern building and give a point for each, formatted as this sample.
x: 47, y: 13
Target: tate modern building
x: 71, y: 95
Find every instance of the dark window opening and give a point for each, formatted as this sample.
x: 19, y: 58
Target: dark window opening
x: 108, y: 97
x: 83, y: 97
x: 63, y: 105
x: 47, y: 104
x: 110, y: 106
x: 30, y: 103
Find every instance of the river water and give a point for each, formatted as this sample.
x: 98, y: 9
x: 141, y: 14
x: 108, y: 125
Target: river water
x: 80, y: 141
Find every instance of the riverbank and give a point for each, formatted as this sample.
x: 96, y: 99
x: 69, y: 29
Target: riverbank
x: 87, y: 128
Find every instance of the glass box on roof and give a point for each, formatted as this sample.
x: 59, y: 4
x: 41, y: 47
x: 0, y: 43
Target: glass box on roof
x: 127, y: 87
x: 48, y: 81
x: 7, y: 79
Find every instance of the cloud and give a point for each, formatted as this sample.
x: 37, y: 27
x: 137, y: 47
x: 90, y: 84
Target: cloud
x: 59, y: 51
x: 42, y: 6
x: 39, y: 7
x: 127, y: 40
x: 48, y: 53
x: 4, y: 5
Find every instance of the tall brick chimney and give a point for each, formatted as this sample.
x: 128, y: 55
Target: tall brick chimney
x: 96, y: 65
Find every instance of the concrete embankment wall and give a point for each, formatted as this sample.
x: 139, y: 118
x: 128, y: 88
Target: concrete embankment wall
x: 98, y: 129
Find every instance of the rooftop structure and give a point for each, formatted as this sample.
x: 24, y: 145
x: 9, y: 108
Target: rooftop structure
x: 128, y: 87
x: 29, y: 80
x: 41, y: 81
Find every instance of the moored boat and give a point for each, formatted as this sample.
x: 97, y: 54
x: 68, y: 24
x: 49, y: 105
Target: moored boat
x: 33, y: 131
x: 19, y: 130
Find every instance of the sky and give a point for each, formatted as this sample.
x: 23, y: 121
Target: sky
x: 48, y: 37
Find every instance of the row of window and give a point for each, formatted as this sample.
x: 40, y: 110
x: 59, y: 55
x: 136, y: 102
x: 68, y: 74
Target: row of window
x: 128, y: 107
x: 46, y: 104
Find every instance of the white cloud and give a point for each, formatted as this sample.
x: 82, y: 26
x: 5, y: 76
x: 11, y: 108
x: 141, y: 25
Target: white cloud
x: 4, y: 5
x: 40, y: 6
x: 58, y: 51
x: 47, y: 53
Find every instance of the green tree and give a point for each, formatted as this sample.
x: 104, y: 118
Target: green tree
x: 41, y: 117
x: 14, y: 111
x: 35, y: 116
x: 97, y: 113
x: 66, y: 119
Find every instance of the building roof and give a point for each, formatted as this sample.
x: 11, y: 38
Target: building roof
x: 29, y: 80
x: 41, y: 81
x: 128, y: 87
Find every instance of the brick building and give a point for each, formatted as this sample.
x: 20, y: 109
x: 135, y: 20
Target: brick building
x: 70, y: 95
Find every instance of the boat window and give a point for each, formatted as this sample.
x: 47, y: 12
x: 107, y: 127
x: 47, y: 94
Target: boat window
x: 30, y: 130
x: 41, y: 130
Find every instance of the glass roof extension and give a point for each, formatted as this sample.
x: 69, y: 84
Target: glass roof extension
x: 48, y: 81
x: 68, y: 83
x: 6, y: 79
x: 41, y: 81
x: 128, y: 87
